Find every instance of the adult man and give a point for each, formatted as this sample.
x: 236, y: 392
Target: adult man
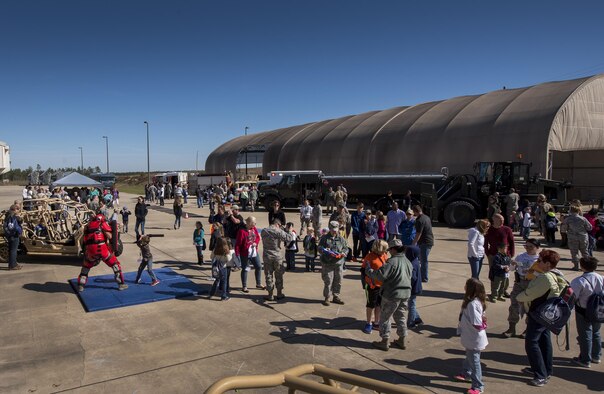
x: 543, y: 208
x: 330, y: 200
x: 12, y: 233
x: 493, y: 206
x: 395, y: 276
x: 394, y: 219
x: 140, y: 213
x: 317, y: 214
x: 407, y: 201
x: 499, y: 234
x: 232, y: 223
x: 577, y: 229
x: 272, y: 237
x: 168, y: 190
x: 97, y: 239
x: 424, y: 239
x: 342, y: 216
x: 339, y: 196
x: 333, y: 249
x: 305, y: 216
x: 522, y: 263
x: 511, y: 204
x: 357, y: 221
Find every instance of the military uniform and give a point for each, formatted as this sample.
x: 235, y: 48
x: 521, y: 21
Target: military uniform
x: 577, y: 229
x: 272, y: 238
x: 331, y: 266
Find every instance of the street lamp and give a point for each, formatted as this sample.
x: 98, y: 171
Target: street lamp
x: 81, y: 158
x: 107, y: 148
x: 246, y: 146
x: 148, y: 166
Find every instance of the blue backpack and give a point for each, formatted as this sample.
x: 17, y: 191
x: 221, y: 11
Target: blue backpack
x: 12, y: 228
x: 594, y: 310
x: 554, y: 313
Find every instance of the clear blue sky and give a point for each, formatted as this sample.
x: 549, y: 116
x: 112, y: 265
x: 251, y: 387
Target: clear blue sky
x: 200, y: 71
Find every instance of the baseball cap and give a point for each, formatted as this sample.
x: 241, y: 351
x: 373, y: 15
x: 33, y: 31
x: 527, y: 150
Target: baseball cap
x: 235, y: 207
x: 334, y: 225
x: 395, y: 243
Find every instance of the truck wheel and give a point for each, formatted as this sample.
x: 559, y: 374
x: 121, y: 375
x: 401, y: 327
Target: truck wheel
x: 3, y: 252
x: 460, y: 214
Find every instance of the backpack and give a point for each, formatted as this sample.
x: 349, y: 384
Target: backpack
x: 215, y: 270
x: 554, y: 313
x: 594, y: 310
x: 12, y: 227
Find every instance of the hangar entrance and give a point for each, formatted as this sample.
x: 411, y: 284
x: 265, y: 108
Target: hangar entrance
x: 249, y: 162
x: 585, y: 169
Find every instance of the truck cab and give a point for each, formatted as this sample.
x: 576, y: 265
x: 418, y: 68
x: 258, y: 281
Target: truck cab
x: 291, y: 189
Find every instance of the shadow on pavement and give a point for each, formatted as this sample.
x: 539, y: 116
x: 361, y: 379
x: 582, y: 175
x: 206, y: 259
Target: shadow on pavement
x: 441, y: 294
x: 49, y: 287
x: 437, y: 332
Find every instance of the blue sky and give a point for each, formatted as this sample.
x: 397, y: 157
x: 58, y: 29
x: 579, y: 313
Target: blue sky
x: 200, y: 71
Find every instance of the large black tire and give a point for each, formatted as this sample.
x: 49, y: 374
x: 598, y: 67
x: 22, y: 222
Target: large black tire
x: 3, y: 251
x: 460, y: 214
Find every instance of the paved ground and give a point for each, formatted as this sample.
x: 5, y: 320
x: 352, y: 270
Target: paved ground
x: 48, y: 343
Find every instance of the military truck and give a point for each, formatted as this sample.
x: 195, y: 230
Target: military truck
x: 52, y: 226
x: 457, y: 200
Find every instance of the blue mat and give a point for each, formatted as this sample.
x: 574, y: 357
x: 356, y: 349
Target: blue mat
x: 101, y: 292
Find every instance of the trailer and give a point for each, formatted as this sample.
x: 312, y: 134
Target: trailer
x: 4, y: 158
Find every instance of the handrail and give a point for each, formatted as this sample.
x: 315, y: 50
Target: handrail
x: 291, y: 378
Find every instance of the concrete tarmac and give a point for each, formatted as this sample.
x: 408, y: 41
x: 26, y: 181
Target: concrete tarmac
x: 49, y: 344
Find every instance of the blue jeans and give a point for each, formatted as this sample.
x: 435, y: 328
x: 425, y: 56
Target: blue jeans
x: 424, y: 252
x: 141, y: 223
x: 247, y: 261
x: 590, y: 341
x: 538, y: 347
x: 199, y: 201
x: 290, y: 259
x: 472, y: 368
x: 413, y: 314
x: 13, y: 246
x: 475, y: 266
x: 222, y: 283
x: 148, y: 264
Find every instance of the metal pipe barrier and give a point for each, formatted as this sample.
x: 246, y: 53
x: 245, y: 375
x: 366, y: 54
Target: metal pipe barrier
x: 291, y: 378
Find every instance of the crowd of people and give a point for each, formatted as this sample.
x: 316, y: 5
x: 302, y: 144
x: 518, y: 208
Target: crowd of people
x: 393, y: 249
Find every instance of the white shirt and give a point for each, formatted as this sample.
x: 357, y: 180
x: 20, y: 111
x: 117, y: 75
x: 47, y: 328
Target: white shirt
x: 524, y: 261
x: 475, y: 243
x: 305, y: 211
x: 471, y: 337
x: 25, y: 194
x: 526, y: 222
x: 583, y: 289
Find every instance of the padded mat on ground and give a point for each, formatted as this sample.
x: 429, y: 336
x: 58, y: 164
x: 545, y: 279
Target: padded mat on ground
x: 101, y: 292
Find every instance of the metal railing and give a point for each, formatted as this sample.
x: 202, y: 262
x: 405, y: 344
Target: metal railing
x: 291, y: 378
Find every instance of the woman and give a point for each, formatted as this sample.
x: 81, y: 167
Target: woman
x: 538, y: 342
x: 370, y: 233
x: 177, y: 211
x: 374, y: 260
x: 476, y: 246
x: 246, y: 249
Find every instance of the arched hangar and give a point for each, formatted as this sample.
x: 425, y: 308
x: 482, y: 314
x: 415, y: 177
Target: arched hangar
x: 556, y: 126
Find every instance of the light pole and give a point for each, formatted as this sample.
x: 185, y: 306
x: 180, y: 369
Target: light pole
x: 81, y: 158
x: 107, y: 148
x: 148, y: 162
x: 197, y: 161
x: 246, y: 146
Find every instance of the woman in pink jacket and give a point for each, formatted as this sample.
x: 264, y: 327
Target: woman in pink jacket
x: 246, y: 249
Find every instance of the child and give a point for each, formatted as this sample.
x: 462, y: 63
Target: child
x: 498, y: 273
x: 199, y: 242
x: 526, y: 223
x: 472, y: 329
x: 215, y: 234
x: 310, y: 249
x: 292, y: 248
x: 125, y: 213
x: 147, y: 260
x: 222, y: 257
x: 590, y: 342
x: 514, y: 221
x: 551, y: 226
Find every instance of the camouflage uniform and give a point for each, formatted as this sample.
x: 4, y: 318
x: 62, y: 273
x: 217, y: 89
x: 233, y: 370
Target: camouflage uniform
x: 272, y: 237
x: 577, y: 229
x: 331, y: 267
